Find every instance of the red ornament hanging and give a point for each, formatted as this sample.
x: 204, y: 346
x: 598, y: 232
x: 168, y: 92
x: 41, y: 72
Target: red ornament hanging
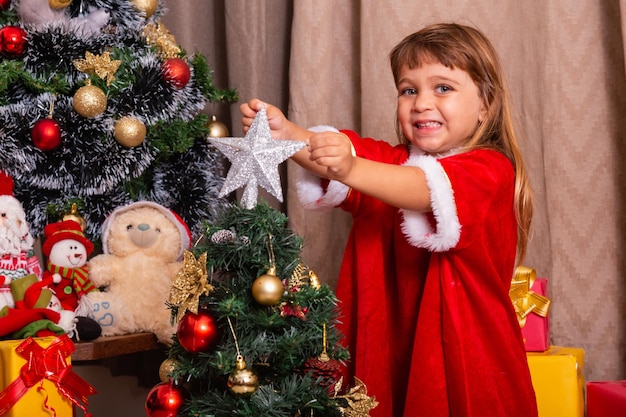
x: 46, y: 134
x: 12, y: 41
x: 165, y: 400
x: 176, y: 72
x: 5, y: 4
x: 198, y: 332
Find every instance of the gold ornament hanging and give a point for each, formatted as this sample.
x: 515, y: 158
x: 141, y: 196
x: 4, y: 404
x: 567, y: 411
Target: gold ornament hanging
x: 167, y: 369
x: 157, y: 35
x: 129, y: 131
x: 148, y: 7
x: 217, y: 129
x: 100, y: 65
x: 89, y: 101
x: 75, y: 216
x: 59, y: 4
x: 191, y: 282
x: 242, y: 381
x: 268, y: 289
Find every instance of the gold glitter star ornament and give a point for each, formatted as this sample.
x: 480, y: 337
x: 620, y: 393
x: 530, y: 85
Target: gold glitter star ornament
x: 191, y: 282
x: 101, y: 65
x: 254, y: 160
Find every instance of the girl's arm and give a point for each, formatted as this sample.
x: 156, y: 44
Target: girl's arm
x: 330, y: 155
x: 400, y: 186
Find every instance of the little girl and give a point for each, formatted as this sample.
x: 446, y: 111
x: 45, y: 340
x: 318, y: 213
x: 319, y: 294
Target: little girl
x: 439, y: 222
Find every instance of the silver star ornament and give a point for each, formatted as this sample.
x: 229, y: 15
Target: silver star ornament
x: 254, y: 160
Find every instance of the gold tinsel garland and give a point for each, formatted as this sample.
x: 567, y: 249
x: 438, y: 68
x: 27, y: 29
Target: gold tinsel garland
x: 190, y: 283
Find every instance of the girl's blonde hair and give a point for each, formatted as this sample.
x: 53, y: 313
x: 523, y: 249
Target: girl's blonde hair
x: 466, y: 48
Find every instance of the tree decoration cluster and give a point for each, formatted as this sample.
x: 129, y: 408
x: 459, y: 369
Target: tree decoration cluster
x: 236, y: 351
x: 99, y: 105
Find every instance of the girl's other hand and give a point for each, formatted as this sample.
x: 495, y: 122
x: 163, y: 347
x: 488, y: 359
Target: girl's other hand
x: 279, y: 125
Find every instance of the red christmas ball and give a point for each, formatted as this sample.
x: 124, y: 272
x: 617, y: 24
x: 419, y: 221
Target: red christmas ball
x: 12, y: 41
x: 198, y: 332
x: 46, y: 134
x: 5, y: 4
x: 176, y: 72
x: 165, y: 400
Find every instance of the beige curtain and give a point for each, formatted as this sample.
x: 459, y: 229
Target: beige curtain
x: 325, y: 62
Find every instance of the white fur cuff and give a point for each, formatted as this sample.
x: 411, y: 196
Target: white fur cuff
x: 416, y: 226
x: 309, y: 186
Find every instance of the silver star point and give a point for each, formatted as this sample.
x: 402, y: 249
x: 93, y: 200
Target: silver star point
x: 254, y: 160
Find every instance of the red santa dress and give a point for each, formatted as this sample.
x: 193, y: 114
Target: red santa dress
x: 424, y: 296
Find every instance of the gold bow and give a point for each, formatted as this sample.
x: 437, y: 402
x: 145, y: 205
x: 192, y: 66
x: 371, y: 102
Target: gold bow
x: 524, y: 300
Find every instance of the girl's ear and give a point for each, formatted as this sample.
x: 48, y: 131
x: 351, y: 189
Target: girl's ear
x: 482, y: 113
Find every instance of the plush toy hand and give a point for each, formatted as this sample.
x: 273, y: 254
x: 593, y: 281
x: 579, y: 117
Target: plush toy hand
x: 68, y: 322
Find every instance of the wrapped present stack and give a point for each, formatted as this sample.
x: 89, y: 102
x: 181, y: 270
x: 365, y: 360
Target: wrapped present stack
x: 36, y: 378
x: 556, y: 371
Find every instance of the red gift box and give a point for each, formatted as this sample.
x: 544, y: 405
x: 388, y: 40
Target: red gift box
x: 606, y: 398
x: 536, y: 331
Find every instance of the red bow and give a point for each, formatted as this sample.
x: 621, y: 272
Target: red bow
x: 49, y: 363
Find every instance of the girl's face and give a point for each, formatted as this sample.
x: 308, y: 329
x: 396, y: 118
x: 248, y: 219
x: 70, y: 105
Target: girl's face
x: 438, y: 108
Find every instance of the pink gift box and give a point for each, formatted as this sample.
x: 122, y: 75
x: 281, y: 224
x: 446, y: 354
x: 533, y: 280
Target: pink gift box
x: 606, y: 398
x: 536, y: 332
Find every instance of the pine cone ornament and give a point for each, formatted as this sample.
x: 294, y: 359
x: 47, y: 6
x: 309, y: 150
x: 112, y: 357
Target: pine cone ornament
x: 326, y: 371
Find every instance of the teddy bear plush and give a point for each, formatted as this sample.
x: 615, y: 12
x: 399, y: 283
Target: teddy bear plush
x: 17, y: 257
x: 67, y: 273
x: 143, y: 244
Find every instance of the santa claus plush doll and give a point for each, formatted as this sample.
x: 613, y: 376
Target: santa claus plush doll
x: 17, y: 257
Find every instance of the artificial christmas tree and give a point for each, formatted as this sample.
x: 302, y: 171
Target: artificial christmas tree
x: 100, y: 107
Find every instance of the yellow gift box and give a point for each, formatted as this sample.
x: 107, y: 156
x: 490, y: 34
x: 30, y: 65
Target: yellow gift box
x: 558, y: 381
x: 42, y: 399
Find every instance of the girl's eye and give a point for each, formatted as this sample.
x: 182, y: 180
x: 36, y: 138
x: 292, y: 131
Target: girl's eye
x: 443, y: 89
x: 408, y: 92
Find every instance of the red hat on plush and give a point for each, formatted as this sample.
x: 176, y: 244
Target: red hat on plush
x: 68, y: 229
x: 37, y: 295
x: 6, y: 184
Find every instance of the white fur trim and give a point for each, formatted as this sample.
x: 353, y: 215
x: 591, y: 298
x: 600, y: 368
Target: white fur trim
x: 310, y: 192
x: 416, y: 226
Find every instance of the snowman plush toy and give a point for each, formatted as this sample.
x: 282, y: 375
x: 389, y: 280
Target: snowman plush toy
x: 67, y: 250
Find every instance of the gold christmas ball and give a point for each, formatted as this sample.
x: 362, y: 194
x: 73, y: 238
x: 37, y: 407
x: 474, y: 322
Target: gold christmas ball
x: 75, y: 216
x: 242, y: 381
x: 129, y: 131
x: 59, y: 4
x: 146, y: 6
x: 268, y: 289
x: 166, y: 369
x: 217, y: 129
x: 89, y: 101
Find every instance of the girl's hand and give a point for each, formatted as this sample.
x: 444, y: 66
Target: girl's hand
x: 333, y: 151
x: 279, y: 125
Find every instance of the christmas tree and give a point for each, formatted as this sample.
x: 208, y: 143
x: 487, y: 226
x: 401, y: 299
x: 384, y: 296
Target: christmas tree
x: 100, y: 107
x: 257, y: 331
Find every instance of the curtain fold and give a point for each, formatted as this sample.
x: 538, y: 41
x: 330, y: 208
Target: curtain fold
x: 326, y: 62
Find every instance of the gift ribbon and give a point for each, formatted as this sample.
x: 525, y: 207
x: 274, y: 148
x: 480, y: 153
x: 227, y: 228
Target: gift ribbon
x: 49, y: 363
x: 524, y: 300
